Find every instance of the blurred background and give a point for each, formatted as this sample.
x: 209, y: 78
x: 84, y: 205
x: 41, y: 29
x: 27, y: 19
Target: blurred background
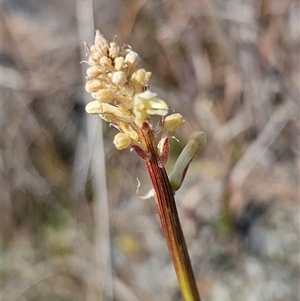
x: 231, y: 68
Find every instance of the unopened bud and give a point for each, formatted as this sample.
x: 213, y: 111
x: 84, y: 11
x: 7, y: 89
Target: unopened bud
x: 105, y: 62
x: 132, y: 59
x: 113, y: 50
x: 104, y: 95
x: 93, y: 71
x: 172, y: 123
x: 119, y: 63
x: 196, y: 142
x: 122, y: 141
x: 93, y: 85
x: 119, y: 78
x: 140, y: 77
x: 101, y: 42
x: 95, y: 108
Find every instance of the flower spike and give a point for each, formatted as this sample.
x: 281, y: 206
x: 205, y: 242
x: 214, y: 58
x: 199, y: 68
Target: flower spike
x: 123, y: 98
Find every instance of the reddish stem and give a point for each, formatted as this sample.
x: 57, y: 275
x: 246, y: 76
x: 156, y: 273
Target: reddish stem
x: 171, y: 226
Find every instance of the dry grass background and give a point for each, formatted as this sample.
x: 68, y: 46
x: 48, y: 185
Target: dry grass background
x: 232, y: 69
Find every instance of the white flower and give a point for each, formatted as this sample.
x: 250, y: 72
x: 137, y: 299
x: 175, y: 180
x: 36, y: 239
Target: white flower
x: 145, y: 104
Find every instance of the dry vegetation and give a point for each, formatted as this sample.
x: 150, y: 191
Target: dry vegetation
x: 232, y: 69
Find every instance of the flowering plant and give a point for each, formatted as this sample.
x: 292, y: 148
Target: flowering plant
x: 123, y: 98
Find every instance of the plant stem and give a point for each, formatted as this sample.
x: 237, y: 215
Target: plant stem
x: 171, y: 226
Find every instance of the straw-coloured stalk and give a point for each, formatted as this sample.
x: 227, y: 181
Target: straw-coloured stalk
x: 122, y: 97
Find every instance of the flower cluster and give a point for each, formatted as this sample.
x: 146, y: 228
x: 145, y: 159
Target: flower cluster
x: 122, y: 98
x: 121, y: 93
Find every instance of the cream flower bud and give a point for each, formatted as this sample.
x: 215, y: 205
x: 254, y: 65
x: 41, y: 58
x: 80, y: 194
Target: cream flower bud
x: 104, y: 95
x: 119, y: 78
x: 140, y: 77
x: 132, y: 59
x: 196, y: 142
x: 122, y: 141
x: 107, y: 96
x: 119, y: 63
x: 106, y: 62
x: 114, y: 49
x: 94, y: 108
x: 101, y: 43
x: 172, y: 123
x: 93, y: 85
x: 93, y: 71
x: 97, y: 108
